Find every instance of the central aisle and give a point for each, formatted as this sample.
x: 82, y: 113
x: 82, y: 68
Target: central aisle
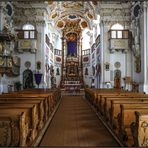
x: 75, y: 124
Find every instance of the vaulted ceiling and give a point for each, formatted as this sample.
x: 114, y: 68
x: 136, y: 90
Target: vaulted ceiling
x: 73, y: 16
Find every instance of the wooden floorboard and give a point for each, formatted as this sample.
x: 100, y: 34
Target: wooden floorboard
x: 75, y: 124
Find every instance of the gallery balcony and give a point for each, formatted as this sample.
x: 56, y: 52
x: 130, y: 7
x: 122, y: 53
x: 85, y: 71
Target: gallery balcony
x: 119, y: 40
x: 27, y: 41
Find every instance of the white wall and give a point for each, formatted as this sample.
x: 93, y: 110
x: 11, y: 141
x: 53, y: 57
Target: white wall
x: 117, y: 57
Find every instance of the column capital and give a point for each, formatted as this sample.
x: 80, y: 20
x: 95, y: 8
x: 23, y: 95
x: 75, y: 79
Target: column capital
x: 145, y: 4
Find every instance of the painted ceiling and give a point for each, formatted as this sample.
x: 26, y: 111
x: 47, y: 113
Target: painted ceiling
x: 73, y: 16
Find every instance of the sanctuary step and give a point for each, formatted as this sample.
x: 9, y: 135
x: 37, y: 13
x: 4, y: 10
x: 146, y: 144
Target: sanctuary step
x: 73, y: 92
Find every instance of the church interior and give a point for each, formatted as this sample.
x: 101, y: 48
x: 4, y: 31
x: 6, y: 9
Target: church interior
x: 73, y: 73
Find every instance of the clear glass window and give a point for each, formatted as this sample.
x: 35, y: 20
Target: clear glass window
x: 113, y: 34
x: 26, y: 34
x: 119, y: 34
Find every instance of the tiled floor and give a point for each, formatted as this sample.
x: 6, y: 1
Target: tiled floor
x: 75, y: 124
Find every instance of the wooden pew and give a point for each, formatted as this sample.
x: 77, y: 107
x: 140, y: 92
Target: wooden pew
x: 52, y: 96
x: 139, y: 128
x: 21, y: 124
x: 55, y: 94
x: 49, y: 97
x: 104, y: 99
x: 13, y: 129
x: 38, y: 119
x: 125, y: 118
x: 42, y: 110
x: 101, y: 96
x: 108, y: 101
x: 11, y: 104
x: 114, y: 110
x: 34, y: 115
x: 33, y: 96
x: 92, y: 94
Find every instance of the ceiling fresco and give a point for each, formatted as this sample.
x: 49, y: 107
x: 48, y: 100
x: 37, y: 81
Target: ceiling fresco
x: 73, y: 16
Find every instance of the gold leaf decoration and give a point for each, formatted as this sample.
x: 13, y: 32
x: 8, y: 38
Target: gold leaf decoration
x: 50, y: 2
x: 84, y: 24
x: 54, y: 15
x: 94, y: 2
x: 60, y: 24
x: 90, y: 16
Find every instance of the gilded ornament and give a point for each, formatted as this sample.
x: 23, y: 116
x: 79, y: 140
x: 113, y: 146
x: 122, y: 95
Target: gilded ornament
x: 54, y: 15
x: 95, y: 2
x: 26, y: 43
x: 1, y: 61
x: 9, y: 62
x: 1, y: 48
x: 60, y: 24
x: 90, y: 16
x: 84, y: 24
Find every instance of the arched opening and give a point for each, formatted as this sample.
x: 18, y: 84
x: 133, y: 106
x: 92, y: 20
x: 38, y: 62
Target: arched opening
x: 29, y: 31
x: 115, y: 33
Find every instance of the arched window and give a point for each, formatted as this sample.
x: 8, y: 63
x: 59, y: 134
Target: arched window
x: 116, y: 31
x: 117, y: 27
x: 29, y: 31
x: 28, y: 27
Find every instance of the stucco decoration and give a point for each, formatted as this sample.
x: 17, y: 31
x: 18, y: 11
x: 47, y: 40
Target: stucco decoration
x: 60, y: 24
x: 54, y: 15
x: 84, y: 24
x: 90, y: 15
x: 135, y: 28
x: 69, y: 11
x: 117, y: 64
x: 73, y: 5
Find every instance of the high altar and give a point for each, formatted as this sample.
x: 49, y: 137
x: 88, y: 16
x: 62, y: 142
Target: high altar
x: 71, y: 59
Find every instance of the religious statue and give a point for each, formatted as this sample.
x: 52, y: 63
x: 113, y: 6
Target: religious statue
x: 57, y: 73
x: 136, y: 34
x: 117, y: 79
x: 136, y: 38
x: 86, y: 71
x: 27, y: 79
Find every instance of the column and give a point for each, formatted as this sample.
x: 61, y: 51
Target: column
x: 62, y: 57
x: 102, y: 52
x: 145, y: 87
x: 1, y: 16
x: 81, y: 59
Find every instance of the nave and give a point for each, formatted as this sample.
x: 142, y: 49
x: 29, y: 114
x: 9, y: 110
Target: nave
x: 101, y: 117
x: 76, y: 124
